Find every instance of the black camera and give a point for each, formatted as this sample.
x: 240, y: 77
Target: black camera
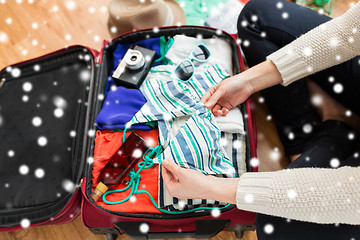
x: 135, y: 65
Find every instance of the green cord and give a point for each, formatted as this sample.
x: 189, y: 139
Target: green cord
x: 167, y: 47
x: 135, y: 180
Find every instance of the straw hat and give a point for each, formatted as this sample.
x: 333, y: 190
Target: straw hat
x: 129, y: 15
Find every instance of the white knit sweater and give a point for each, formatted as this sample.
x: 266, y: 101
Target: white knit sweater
x: 310, y: 194
x: 327, y: 45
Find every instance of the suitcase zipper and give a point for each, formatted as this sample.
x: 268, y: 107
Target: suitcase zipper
x: 2, y: 82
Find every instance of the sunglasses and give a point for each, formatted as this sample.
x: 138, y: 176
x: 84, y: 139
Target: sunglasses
x: 185, y: 70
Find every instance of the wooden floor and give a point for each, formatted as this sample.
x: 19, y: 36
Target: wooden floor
x: 31, y: 28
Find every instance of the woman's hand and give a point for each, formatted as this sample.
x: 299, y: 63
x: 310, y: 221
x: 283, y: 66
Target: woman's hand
x: 221, y: 98
x: 186, y: 183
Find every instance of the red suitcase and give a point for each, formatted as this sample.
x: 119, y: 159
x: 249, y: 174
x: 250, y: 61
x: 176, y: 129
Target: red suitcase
x: 59, y: 92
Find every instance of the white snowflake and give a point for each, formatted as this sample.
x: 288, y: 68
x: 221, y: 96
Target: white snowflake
x: 268, y: 228
x: 144, y: 228
x: 246, y: 43
x: 307, y: 128
x: 156, y: 29
x: 11, y: 153
x: 91, y: 132
x: 72, y: 133
x: 291, y: 136
x: 223, y: 142
x: 219, y: 32
x: 34, y: 42
x: 334, y: 163
x: 68, y: 185
x: 275, y: 155
x: 292, y: 194
x: 316, y: 100
x: 96, y: 38
x: 90, y: 160
x: 54, y: 9
x: 307, y: 51
x: 338, y: 88
x: 25, y: 223
x: 268, y: 117
x: 27, y: 86
x: 237, y: 144
x: 243, y: 23
x: 249, y: 198
x: 331, y: 79
x: 254, y: 18
x: 9, y: 20
x: 133, y: 199
x: 68, y: 37
x: 25, y: 98
x: 39, y: 173
x: 338, y: 57
x: 137, y: 153
x: 85, y: 75
x: 334, y: 42
x: 36, y: 67
x: 351, y: 40
x: 36, y: 121
x: 24, y: 169
x: 58, y: 112
x: 261, y: 99
x: 35, y: 25
x: 285, y: 15
x: 16, y: 72
x: 263, y: 34
x: 351, y: 136
x: 279, y: 5
x: 71, y: 5
x: 91, y: 10
x: 254, y: 162
x: 60, y: 102
x: 42, y: 141
x: 113, y: 29
x: 215, y: 212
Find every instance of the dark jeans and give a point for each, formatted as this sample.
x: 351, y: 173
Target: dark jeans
x: 263, y: 30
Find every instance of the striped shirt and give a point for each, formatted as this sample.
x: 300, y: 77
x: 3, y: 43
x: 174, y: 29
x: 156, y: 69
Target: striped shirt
x: 188, y: 131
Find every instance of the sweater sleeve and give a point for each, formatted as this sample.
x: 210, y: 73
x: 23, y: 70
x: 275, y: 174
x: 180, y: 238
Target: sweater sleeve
x: 307, y: 194
x: 329, y: 44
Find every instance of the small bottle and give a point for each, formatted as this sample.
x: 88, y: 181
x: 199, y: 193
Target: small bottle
x: 120, y: 164
x: 99, y: 191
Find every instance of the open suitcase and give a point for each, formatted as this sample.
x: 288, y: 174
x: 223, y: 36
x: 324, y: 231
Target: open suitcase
x: 48, y: 144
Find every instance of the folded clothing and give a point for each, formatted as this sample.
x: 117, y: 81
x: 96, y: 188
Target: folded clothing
x: 107, y: 143
x: 235, y: 146
x: 221, y: 52
x: 121, y: 103
x: 196, y: 144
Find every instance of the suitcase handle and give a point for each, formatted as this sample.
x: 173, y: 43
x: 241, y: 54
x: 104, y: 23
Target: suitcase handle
x: 204, y: 229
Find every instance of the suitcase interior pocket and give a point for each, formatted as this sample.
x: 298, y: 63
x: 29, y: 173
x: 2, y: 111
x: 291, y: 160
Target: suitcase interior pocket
x: 43, y: 105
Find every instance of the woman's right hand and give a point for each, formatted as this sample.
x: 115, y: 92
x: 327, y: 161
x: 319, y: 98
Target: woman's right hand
x: 221, y: 98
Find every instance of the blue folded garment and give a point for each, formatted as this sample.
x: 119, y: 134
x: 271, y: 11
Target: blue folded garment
x: 121, y: 103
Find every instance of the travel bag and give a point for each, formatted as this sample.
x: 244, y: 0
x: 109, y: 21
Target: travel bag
x: 48, y: 107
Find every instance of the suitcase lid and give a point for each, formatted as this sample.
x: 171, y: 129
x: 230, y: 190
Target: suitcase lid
x: 44, y: 108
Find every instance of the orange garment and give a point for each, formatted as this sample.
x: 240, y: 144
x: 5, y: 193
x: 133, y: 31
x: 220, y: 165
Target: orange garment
x: 107, y: 143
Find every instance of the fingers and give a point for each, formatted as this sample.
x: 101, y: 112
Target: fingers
x: 208, y: 94
x: 218, y: 110
x: 214, y: 98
